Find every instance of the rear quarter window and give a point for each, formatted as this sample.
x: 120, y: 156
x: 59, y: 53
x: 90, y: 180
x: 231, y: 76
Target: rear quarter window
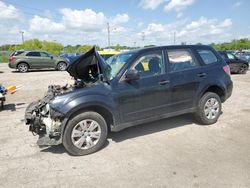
x: 207, y: 56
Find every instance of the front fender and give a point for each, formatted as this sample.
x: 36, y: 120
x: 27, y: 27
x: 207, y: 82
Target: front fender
x: 81, y: 102
x: 84, y: 102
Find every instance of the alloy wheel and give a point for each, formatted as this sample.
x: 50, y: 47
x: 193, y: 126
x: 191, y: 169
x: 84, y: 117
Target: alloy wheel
x: 211, y: 108
x: 23, y: 68
x: 86, y: 134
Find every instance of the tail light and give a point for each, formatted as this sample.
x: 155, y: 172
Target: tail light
x: 226, y: 68
x: 12, y: 58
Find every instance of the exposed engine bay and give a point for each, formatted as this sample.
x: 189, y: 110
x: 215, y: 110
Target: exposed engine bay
x: 46, y: 121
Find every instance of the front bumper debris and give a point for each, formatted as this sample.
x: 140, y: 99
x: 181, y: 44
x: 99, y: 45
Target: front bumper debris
x: 43, y: 121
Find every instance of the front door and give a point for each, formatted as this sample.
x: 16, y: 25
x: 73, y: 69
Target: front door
x: 149, y: 96
x: 47, y: 61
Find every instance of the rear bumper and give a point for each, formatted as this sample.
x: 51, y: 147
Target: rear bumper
x: 12, y: 65
x: 229, y: 90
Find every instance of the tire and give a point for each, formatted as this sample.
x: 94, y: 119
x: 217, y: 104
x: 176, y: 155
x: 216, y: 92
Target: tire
x: 76, y: 138
x: 23, y: 67
x: 243, y: 69
x: 208, y: 115
x: 61, y: 66
x: 1, y: 105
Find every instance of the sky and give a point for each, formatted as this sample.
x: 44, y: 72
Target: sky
x: 132, y: 22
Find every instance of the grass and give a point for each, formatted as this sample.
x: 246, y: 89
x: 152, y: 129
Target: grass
x: 4, y: 59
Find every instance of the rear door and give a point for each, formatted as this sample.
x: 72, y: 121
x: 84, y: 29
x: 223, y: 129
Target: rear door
x: 47, y: 61
x: 33, y: 58
x: 185, y: 74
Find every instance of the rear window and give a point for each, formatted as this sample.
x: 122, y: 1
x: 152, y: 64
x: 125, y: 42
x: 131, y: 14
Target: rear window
x: 33, y: 54
x: 181, y: 59
x: 207, y: 56
x: 16, y: 53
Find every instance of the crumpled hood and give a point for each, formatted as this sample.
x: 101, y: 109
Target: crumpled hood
x: 79, y: 67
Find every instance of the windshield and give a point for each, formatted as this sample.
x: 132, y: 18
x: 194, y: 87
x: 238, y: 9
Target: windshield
x: 117, y: 62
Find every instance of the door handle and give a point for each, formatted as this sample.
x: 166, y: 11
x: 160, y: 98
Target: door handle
x: 202, y: 74
x: 164, y: 82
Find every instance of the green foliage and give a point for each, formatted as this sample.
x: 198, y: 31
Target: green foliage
x: 4, y: 59
x: 78, y: 48
x: 35, y: 44
x: 84, y: 48
x: 234, y: 45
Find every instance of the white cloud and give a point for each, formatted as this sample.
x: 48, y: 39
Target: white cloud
x: 203, y: 30
x: 120, y: 19
x: 89, y: 27
x: 237, y: 4
x: 9, y: 13
x: 45, y: 25
x: 10, y: 20
x: 150, y: 4
x: 179, y: 15
x: 178, y: 5
x: 140, y: 24
x: 87, y: 20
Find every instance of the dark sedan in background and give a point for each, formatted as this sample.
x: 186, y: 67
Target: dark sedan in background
x: 236, y: 64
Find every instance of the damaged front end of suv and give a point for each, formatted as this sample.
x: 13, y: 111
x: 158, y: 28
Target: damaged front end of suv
x: 47, y: 117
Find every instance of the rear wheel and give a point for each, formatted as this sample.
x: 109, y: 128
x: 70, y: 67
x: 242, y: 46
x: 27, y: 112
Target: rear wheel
x: 209, y: 109
x: 243, y: 69
x: 61, y: 66
x: 23, y: 67
x: 85, y: 133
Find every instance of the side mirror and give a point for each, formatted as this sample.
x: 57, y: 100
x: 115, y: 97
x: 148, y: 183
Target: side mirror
x: 132, y: 74
x: 51, y: 57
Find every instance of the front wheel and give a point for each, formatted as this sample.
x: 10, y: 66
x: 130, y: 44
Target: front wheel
x: 85, y: 133
x: 209, y: 109
x: 62, y: 66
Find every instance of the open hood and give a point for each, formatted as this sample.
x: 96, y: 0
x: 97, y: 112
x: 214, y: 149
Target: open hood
x: 88, y: 66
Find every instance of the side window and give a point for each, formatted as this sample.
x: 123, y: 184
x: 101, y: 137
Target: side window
x: 230, y: 56
x: 43, y: 54
x: 150, y: 64
x: 36, y: 54
x: 207, y: 56
x: 181, y: 59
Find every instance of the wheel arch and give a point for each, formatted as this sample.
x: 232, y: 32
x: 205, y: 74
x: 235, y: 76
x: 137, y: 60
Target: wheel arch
x: 100, y: 109
x: 22, y: 62
x: 216, y: 89
x: 61, y: 61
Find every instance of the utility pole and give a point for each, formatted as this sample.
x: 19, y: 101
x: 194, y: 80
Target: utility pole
x: 143, y: 38
x: 108, y: 28
x: 174, y: 38
x: 22, y: 32
x: 135, y: 44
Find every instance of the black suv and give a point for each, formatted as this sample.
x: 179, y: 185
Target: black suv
x: 236, y: 64
x: 128, y: 89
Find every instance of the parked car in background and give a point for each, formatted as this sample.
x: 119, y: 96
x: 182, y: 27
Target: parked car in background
x: 244, y: 56
x: 23, y: 61
x: 115, y: 94
x: 236, y: 64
